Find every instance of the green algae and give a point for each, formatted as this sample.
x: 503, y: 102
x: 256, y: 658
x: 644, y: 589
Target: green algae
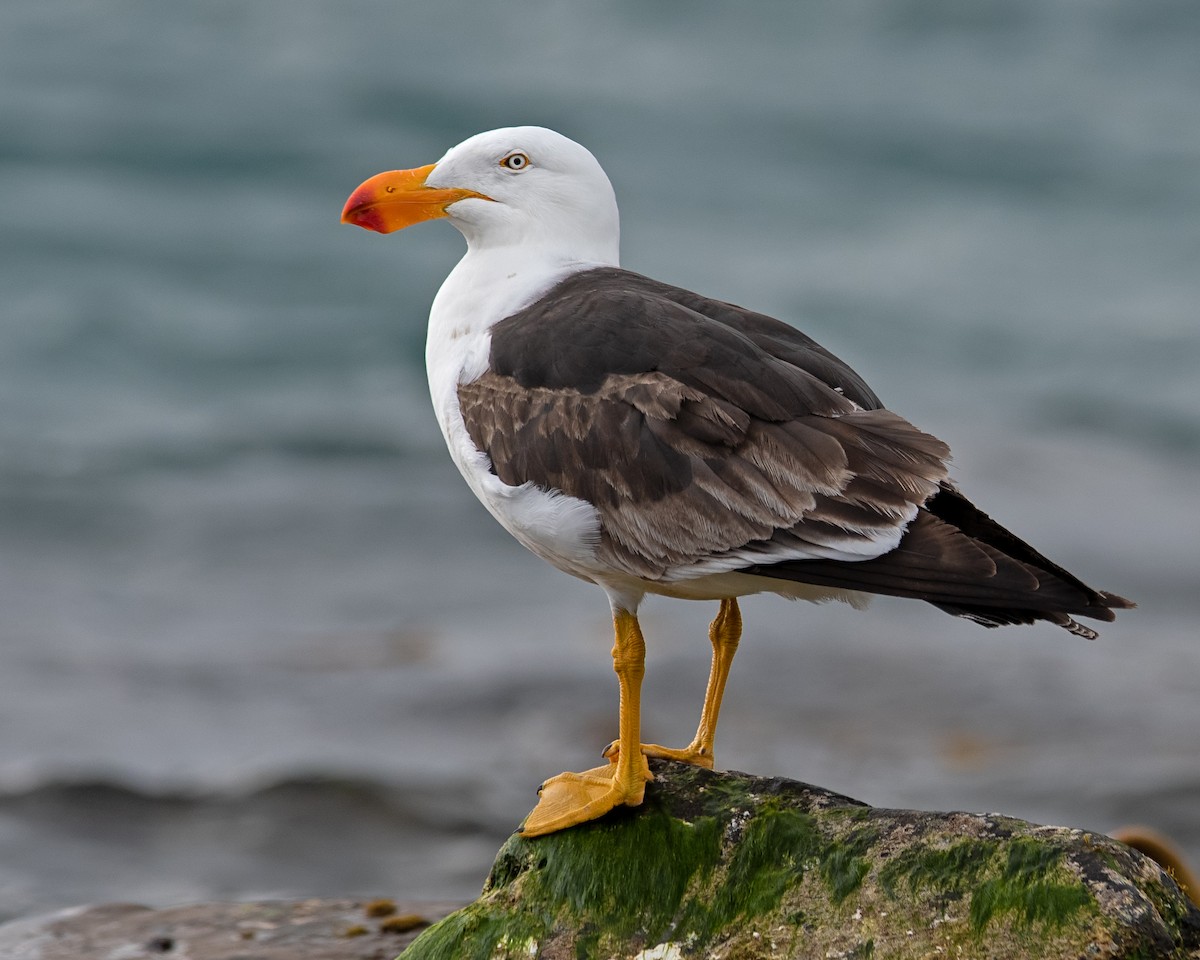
x: 776, y: 849
x: 948, y: 872
x: 1030, y: 884
x: 770, y: 859
x: 844, y: 864
x: 480, y: 932
x: 620, y: 880
x: 749, y: 869
x: 649, y: 878
x: 1026, y: 887
x: 653, y: 875
x: 639, y: 871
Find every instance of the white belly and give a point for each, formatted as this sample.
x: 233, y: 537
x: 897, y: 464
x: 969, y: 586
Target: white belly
x: 560, y: 529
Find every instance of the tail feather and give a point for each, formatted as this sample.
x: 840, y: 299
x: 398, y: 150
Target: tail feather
x: 959, y: 559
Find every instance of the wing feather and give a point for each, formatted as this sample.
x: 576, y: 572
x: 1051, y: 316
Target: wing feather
x: 709, y: 438
x: 713, y: 449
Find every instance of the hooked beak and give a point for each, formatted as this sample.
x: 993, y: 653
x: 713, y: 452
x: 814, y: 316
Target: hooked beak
x: 399, y: 198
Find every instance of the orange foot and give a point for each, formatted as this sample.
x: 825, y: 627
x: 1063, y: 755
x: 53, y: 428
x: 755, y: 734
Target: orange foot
x: 696, y: 756
x: 574, y: 798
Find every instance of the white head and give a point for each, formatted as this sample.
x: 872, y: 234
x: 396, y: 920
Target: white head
x: 523, y: 186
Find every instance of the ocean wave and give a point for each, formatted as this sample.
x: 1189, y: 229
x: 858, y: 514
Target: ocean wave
x: 99, y: 840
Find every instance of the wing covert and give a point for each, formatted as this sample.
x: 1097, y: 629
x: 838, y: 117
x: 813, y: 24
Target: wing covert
x: 700, y: 449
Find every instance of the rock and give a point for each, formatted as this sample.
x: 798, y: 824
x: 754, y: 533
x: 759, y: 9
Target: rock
x: 711, y: 866
x: 732, y: 866
x: 271, y: 930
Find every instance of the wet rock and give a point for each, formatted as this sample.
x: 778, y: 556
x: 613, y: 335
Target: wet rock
x: 739, y: 867
x: 721, y: 866
x: 271, y: 930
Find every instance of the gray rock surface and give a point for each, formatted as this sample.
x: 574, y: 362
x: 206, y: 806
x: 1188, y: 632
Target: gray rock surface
x: 724, y: 865
x: 268, y: 930
x: 720, y: 866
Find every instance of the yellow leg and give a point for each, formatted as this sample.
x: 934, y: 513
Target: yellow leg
x: 573, y: 798
x: 724, y: 633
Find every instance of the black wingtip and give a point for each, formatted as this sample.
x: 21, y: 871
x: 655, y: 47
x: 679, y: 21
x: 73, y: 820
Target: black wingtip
x: 1113, y: 602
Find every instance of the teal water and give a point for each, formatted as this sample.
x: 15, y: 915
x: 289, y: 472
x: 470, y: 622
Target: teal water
x: 234, y: 556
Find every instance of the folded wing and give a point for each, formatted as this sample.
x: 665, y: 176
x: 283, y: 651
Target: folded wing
x: 712, y: 439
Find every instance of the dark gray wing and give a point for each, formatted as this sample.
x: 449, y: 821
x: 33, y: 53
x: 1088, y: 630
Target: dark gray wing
x: 773, y: 336
x: 695, y: 442
x: 710, y: 437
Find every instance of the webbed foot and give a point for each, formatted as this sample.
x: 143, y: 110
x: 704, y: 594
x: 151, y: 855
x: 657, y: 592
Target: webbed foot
x: 573, y: 798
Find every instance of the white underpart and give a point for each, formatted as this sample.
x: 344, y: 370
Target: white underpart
x: 873, y: 544
x: 483, y: 289
x: 534, y: 234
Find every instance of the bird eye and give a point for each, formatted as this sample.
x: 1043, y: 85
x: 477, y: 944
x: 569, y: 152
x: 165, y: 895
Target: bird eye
x: 515, y: 161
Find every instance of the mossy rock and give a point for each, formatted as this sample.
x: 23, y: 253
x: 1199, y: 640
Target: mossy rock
x: 729, y: 866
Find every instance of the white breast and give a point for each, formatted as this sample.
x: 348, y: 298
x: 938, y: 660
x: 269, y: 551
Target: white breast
x: 483, y: 289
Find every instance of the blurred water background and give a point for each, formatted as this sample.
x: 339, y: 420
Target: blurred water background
x: 256, y: 636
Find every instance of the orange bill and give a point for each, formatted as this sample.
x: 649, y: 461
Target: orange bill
x: 399, y: 198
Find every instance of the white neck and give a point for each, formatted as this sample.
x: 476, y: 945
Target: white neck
x: 492, y: 283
